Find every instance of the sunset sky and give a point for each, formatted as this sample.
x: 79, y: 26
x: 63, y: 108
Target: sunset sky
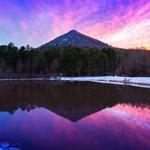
x: 121, y: 23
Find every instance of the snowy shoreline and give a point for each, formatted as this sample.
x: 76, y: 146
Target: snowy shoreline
x: 130, y: 81
x: 143, y: 82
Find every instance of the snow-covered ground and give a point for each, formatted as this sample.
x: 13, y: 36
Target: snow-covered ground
x: 132, y: 81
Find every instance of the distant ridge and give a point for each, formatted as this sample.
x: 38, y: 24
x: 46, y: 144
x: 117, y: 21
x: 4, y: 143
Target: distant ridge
x: 75, y: 39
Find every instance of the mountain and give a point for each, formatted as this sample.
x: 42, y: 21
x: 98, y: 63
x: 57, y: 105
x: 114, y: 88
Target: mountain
x: 75, y: 39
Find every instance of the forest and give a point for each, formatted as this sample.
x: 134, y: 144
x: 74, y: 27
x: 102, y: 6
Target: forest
x: 72, y: 61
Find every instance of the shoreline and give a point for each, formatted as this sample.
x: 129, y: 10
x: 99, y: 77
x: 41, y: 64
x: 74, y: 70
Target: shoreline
x: 143, y: 82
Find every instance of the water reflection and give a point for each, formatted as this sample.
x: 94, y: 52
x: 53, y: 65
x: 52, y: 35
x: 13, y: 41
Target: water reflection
x: 120, y: 127
x: 73, y: 101
x: 69, y: 116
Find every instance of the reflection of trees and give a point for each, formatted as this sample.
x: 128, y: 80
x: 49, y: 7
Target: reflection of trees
x: 12, y: 107
x: 70, y: 100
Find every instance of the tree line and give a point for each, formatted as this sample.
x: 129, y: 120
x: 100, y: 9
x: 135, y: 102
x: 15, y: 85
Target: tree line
x: 134, y: 62
x: 64, y: 61
x: 73, y: 61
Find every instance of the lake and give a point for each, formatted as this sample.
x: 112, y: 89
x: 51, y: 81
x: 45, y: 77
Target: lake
x: 56, y: 115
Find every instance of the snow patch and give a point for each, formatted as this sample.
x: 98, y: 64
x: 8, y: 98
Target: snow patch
x: 117, y: 80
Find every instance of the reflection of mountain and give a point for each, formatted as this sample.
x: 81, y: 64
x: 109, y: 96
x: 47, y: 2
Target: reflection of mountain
x: 70, y: 100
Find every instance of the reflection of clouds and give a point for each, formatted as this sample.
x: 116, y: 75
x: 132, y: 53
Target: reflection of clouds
x: 125, y: 123
x: 122, y: 126
x: 126, y: 113
x: 120, y: 23
x: 140, y: 113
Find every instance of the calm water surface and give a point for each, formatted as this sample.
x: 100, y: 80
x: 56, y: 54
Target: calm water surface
x: 46, y: 115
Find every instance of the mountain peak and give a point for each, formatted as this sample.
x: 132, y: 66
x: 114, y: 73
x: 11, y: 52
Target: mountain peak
x: 73, y: 31
x: 75, y: 39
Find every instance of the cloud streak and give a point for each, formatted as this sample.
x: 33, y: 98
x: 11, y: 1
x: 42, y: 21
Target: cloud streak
x: 122, y: 23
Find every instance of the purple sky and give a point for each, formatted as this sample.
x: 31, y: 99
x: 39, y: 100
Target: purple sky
x: 121, y: 23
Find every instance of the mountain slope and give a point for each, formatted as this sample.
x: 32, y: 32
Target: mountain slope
x: 75, y: 39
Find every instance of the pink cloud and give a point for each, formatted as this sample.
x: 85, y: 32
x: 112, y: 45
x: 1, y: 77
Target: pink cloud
x: 117, y: 23
x: 24, y: 25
